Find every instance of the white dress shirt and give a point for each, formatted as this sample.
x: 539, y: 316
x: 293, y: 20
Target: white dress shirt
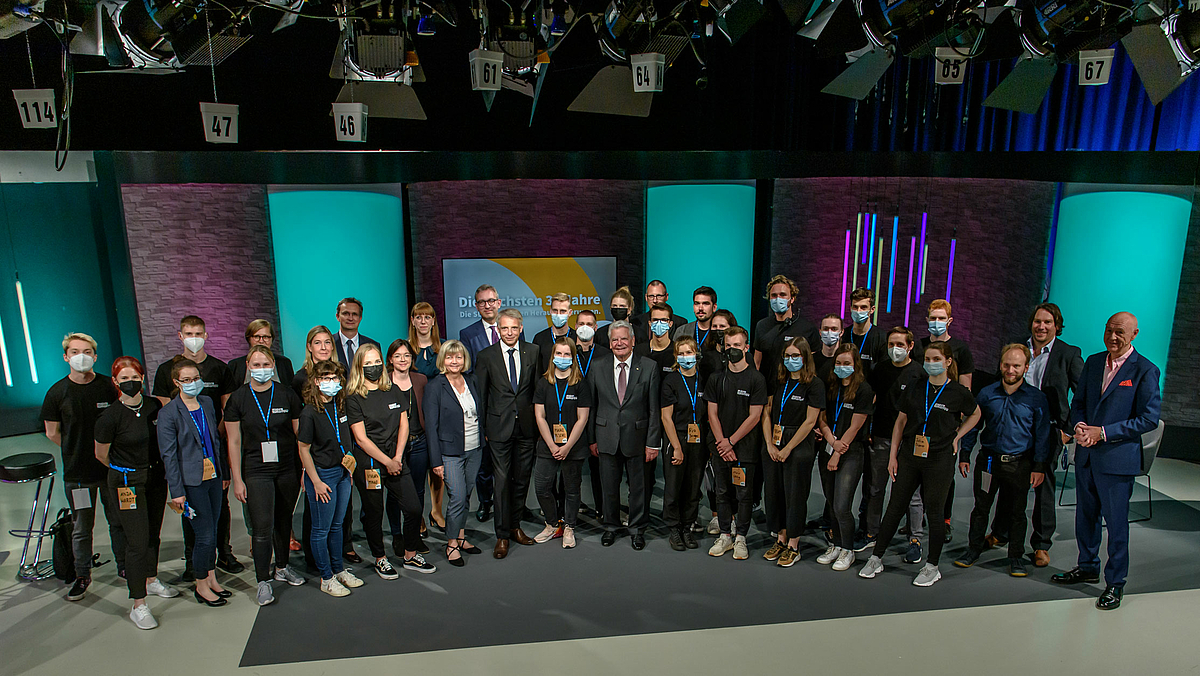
x: 470, y: 418
x: 487, y: 332
x: 504, y: 348
x: 628, y: 371
x: 350, y: 345
x: 1037, y: 365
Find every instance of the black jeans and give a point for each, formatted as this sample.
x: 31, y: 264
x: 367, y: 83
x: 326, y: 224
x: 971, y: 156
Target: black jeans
x: 1044, y: 520
x: 612, y: 466
x: 786, y: 486
x: 1011, y: 481
x: 933, y: 477
x: 84, y: 520
x: 224, y: 551
x: 402, y: 486
x: 681, y: 483
x: 875, y: 481
x: 732, y: 498
x: 512, y: 469
x: 141, y: 525
x: 270, y: 499
x: 416, y: 456
x: 205, y: 500
x: 545, y: 480
x: 839, y: 486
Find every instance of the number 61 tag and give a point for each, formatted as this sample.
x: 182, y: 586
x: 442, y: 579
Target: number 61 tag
x: 36, y: 108
x: 220, y: 122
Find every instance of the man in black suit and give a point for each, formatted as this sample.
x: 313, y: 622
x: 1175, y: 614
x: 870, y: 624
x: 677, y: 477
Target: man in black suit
x: 1054, y: 369
x: 626, y: 430
x: 507, y: 374
x: 348, y: 339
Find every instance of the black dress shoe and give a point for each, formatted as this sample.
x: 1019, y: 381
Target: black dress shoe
x: 484, y: 513
x: 676, y: 541
x: 211, y: 604
x: 1111, y: 598
x: 471, y: 549
x: 608, y: 538
x: 224, y: 593
x: 639, y: 542
x: 230, y: 564
x: 1076, y: 576
x: 351, y: 557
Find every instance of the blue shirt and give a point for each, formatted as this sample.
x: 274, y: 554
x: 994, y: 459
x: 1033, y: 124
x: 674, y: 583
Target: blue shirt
x: 202, y: 425
x: 1012, y: 424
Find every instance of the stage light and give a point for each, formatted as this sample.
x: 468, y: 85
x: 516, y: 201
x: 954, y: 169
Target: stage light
x: 425, y: 26
x: 558, y: 25
x: 735, y: 18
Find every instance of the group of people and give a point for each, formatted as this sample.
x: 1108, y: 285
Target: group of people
x: 745, y: 416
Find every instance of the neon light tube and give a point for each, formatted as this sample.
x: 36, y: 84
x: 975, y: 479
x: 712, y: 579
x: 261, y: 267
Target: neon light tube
x: 857, y: 233
x: 871, y: 256
x: 924, y: 267
x: 4, y: 357
x: 908, y: 296
x: 25, y: 326
x: 892, y: 270
x: 950, y: 274
x: 845, y: 273
x: 878, y: 275
x: 921, y: 262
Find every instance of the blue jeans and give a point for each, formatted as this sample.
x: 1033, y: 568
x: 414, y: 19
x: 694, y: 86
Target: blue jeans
x: 326, y: 535
x: 417, y: 459
x: 205, y: 500
x: 460, y: 472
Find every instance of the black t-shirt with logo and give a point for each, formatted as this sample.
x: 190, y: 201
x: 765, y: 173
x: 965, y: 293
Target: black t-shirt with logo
x: 861, y: 403
x: 215, y: 374
x: 961, y: 354
x: 872, y: 347
x: 734, y: 393
x: 316, y: 429
x: 665, y: 358
x: 792, y: 411
x: 380, y: 414
x: 133, y: 438
x: 574, y: 397
x: 281, y: 406
x: 678, y: 391
x: 76, y: 408
x: 946, y: 414
x: 770, y: 336
x: 889, y: 382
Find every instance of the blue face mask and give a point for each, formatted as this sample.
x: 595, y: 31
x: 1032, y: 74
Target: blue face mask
x: 779, y: 305
x: 793, y: 364
x: 559, y: 320
x: 935, y: 368
x: 193, y: 388
x: 261, y: 375
x: 831, y: 337
x: 659, y: 328
x: 330, y: 388
x: 562, y: 363
x: 860, y: 316
x: 937, y: 327
x: 843, y: 371
x: 686, y: 361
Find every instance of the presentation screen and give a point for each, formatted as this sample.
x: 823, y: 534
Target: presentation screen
x: 527, y: 285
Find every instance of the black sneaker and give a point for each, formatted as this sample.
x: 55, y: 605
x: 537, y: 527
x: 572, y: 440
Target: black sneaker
x: 967, y: 559
x: 385, y: 569
x: 864, y: 542
x: 689, y: 540
x: 230, y: 564
x: 1016, y: 568
x: 79, y: 589
x: 676, y: 541
x: 913, y: 553
x: 418, y: 564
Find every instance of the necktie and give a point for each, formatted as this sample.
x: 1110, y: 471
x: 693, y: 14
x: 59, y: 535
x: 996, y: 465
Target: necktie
x: 350, y: 350
x: 621, y: 382
x: 512, y: 367
x: 495, y: 336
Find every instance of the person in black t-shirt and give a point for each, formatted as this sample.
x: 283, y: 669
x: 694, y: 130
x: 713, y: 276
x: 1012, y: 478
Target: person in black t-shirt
x: 261, y: 419
x: 848, y: 403
x: 620, y: 305
x: 782, y: 325
x: 685, y: 424
x: 659, y: 347
x: 712, y: 360
x: 736, y: 398
x: 586, y: 350
x: 260, y: 332
x: 929, y: 425
x: 788, y: 423
x: 562, y: 400
x: 560, y: 314
x: 831, y: 337
x: 127, y: 442
x: 402, y: 360
x: 871, y: 343
x: 69, y: 413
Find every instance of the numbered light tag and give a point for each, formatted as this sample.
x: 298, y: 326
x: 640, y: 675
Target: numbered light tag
x: 348, y: 462
x: 921, y: 446
x: 951, y: 66
x: 648, y: 70
x: 36, y: 108
x: 350, y: 121
x: 693, y: 433
x: 209, y: 471
x: 127, y: 497
x: 739, y: 476
x: 560, y: 434
x: 372, y: 479
x: 220, y: 122
x: 1094, y: 66
x: 485, y: 70
x: 270, y: 451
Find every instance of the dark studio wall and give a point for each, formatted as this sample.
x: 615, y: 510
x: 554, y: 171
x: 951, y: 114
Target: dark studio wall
x: 1181, y: 391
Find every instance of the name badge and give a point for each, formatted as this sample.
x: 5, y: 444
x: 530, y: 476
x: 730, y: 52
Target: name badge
x: 393, y: 406
x: 560, y: 434
x: 348, y: 462
x: 985, y: 481
x: 829, y: 449
x: 693, y: 433
x: 209, y: 471
x: 81, y: 498
x: 270, y: 451
x: 174, y: 507
x: 921, y: 446
x: 777, y: 435
x: 127, y: 496
x: 372, y: 477
x: 102, y: 404
x: 739, y: 476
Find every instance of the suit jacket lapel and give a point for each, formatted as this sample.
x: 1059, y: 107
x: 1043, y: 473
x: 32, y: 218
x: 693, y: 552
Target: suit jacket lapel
x: 1125, y: 370
x: 192, y: 421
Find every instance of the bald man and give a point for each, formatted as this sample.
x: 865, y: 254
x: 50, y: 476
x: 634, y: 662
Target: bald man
x: 1117, y: 402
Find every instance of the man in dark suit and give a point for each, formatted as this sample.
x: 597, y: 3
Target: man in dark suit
x: 626, y: 430
x: 348, y: 339
x: 1055, y: 370
x: 1118, y: 401
x: 507, y: 374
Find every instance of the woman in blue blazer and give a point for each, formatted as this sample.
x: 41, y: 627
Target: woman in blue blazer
x: 453, y: 409
x: 196, y: 472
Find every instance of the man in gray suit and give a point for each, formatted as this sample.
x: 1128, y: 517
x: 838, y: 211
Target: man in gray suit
x: 627, y: 430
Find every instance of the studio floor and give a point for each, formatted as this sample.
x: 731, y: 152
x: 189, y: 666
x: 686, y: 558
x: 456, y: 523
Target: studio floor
x: 598, y: 610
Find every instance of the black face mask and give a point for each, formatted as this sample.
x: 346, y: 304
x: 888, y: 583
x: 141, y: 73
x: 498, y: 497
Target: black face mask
x: 735, y: 356
x: 373, y: 373
x: 130, y: 388
x: 618, y: 313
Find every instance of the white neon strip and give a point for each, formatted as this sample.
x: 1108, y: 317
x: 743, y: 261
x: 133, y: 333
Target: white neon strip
x: 25, y: 326
x: 924, y: 265
x: 4, y: 357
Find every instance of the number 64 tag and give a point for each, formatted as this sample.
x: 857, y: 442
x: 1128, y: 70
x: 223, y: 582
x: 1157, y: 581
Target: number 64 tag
x: 220, y: 122
x: 36, y: 108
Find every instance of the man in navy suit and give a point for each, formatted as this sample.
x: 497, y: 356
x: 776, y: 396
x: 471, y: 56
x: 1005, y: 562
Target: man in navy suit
x: 347, y: 341
x: 1117, y: 402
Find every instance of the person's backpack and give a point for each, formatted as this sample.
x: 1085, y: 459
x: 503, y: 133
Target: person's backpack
x: 62, y: 555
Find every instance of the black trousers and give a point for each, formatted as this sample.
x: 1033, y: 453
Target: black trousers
x: 651, y: 469
x: 875, y: 481
x: 485, y: 480
x: 1011, y: 481
x: 612, y: 467
x: 681, y: 483
x: 270, y: 499
x: 400, y: 485
x: 731, y: 498
x: 1044, y: 520
x: 512, y: 470
x: 597, y: 485
x: 141, y: 526
x: 933, y: 476
x: 416, y: 457
x: 548, y: 475
x: 786, y: 486
x: 839, y: 487
x: 224, y: 551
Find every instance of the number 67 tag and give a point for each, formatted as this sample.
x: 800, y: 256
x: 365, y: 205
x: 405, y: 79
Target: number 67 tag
x: 220, y: 122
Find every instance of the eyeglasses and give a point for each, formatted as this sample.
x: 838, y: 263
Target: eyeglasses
x: 656, y: 296
x: 266, y: 337
x: 189, y: 381
x: 488, y: 301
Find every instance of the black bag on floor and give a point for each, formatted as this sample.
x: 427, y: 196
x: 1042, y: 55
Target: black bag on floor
x: 62, y: 555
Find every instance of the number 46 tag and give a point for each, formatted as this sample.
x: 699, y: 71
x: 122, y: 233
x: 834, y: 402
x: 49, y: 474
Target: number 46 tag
x: 951, y: 66
x: 220, y: 122
x: 350, y: 121
x: 36, y: 108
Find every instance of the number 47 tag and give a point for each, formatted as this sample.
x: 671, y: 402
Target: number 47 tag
x: 36, y: 108
x: 220, y: 122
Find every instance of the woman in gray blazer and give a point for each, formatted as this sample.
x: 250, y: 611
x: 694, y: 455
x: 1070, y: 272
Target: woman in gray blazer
x: 453, y: 411
x: 196, y: 474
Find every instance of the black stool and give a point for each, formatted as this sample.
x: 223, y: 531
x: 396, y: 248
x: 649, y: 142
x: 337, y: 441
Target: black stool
x: 23, y: 468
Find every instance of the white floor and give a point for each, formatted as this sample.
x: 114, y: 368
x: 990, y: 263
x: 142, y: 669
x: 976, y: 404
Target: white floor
x: 40, y: 633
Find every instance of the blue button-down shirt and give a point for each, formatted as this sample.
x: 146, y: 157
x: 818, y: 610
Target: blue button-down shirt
x: 1012, y: 424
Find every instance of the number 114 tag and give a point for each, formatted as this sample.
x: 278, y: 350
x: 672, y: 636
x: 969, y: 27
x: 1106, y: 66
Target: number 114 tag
x: 36, y: 108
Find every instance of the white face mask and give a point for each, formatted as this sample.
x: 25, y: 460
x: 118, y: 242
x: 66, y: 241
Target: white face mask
x: 82, y: 362
x: 194, y: 344
x: 585, y: 332
x: 897, y: 354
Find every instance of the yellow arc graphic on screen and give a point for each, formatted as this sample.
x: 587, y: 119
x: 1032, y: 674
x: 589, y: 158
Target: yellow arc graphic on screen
x: 548, y: 276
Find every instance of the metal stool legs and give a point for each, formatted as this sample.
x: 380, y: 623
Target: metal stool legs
x: 36, y: 569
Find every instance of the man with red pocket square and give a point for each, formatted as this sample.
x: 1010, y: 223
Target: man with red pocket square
x: 1117, y: 402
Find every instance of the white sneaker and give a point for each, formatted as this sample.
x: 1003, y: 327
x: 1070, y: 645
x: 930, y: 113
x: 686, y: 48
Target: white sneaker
x: 831, y: 554
x: 286, y: 574
x: 722, y: 545
x: 159, y: 589
x: 714, y: 527
x: 142, y: 618
x: 844, y: 560
x: 348, y: 580
x: 873, y: 566
x: 265, y: 596
x: 333, y: 587
x: 928, y: 575
x: 546, y: 535
x: 739, y: 548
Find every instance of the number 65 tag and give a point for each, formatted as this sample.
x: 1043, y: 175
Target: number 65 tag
x: 951, y: 67
x: 220, y: 122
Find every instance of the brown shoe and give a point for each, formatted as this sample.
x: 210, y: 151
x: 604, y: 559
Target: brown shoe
x: 992, y: 541
x: 521, y: 538
x: 501, y: 549
x: 1041, y: 558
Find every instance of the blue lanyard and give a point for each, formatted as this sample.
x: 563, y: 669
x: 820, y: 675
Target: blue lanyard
x: 561, y: 397
x: 838, y: 415
x: 583, y: 368
x: 699, y: 340
x: 691, y: 396
x: 203, y: 430
x: 783, y: 402
x: 124, y: 472
x: 930, y: 409
x: 336, y: 430
x: 864, y: 340
x: 266, y: 422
